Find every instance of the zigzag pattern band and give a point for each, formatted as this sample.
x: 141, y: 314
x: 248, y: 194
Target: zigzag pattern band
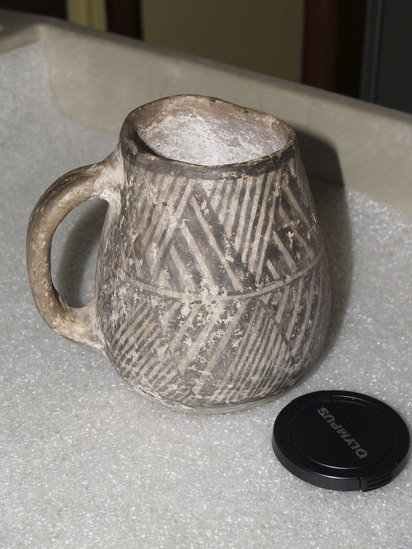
x: 216, y: 294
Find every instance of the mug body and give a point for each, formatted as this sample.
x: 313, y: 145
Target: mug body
x: 212, y: 282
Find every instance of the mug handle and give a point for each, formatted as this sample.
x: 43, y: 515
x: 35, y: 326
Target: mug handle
x: 70, y: 190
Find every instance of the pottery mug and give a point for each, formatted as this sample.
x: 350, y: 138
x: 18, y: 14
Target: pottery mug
x: 212, y: 288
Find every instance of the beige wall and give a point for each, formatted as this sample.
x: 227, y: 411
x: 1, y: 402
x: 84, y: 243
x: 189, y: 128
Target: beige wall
x: 91, y: 13
x: 262, y: 35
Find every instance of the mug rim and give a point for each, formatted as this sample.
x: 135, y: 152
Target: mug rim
x: 135, y: 149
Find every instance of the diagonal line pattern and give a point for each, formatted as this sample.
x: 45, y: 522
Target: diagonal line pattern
x: 236, y: 283
x: 199, y: 243
x: 259, y: 184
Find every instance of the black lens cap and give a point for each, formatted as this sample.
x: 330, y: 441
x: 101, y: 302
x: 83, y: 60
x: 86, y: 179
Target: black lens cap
x: 341, y: 440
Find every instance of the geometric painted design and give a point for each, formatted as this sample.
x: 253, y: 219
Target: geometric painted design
x: 217, y: 292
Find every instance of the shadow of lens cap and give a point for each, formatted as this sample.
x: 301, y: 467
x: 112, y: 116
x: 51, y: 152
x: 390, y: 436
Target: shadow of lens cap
x: 341, y: 440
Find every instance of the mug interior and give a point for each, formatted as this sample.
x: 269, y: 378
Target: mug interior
x: 208, y: 132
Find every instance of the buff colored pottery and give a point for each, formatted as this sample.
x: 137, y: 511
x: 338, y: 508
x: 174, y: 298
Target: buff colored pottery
x: 212, y: 288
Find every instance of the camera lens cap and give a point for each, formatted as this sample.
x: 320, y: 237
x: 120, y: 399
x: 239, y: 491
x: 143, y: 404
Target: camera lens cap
x: 341, y: 440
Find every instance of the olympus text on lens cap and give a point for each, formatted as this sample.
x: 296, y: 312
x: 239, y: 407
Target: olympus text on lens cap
x: 341, y: 440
